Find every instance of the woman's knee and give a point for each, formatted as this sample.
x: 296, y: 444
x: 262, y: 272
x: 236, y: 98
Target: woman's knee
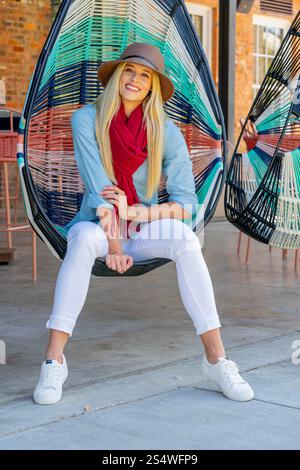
x: 184, y: 239
x: 88, y: 235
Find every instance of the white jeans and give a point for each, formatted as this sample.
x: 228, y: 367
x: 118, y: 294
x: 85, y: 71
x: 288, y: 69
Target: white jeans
x: 163, y: 238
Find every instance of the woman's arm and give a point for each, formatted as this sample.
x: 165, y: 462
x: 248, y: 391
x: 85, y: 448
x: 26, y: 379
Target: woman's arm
x: 170, y: 210
x: 91, y: 170
x: 178, y: 170
x: 110, y: 226
x: 87, y: 157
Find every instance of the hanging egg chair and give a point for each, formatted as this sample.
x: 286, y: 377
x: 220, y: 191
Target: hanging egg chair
x: 84, y: 34
x: 262, y: 192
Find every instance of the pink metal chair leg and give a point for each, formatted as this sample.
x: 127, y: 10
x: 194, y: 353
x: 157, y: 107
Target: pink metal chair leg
x: 7, y: 204
x: 239, y: 243
x: 34, y: 267
x: 248, y: 250
x: 16, y: 198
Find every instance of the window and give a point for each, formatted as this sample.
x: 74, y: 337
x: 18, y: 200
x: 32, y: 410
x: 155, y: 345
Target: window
x: 268, y: 35
x: 54, y: 8
x: 201, y: 17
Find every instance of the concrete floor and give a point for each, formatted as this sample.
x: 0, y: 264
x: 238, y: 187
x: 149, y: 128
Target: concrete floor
x: 134, y: 380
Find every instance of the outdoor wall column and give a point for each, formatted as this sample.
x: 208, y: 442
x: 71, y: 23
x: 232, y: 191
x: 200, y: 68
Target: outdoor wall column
x: 227, y: 33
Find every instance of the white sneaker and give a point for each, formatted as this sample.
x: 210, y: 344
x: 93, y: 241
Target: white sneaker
x: 52, y: 377
x: 225, y: 375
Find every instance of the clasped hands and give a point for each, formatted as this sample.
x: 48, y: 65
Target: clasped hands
x: 117, y: 261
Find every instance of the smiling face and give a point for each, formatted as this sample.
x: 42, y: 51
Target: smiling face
x: 135, y: 83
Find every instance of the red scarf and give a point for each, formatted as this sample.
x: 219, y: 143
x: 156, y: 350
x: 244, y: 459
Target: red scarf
x: 250, y: 142
x: 128, y: 140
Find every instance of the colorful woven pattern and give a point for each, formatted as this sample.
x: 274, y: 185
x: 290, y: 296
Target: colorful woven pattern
x: 262, y: 196
x: 84, y: 34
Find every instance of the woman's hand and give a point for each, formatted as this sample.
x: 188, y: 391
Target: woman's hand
x: 119, y: 262
x: 250, y: 130
x: 116, y: 196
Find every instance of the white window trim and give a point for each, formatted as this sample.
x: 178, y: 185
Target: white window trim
x: 272, y: 22
x: 206, y: 12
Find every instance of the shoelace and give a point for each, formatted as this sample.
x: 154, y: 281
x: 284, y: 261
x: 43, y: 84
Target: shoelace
x: 50, y: 377
x: 232, y: 368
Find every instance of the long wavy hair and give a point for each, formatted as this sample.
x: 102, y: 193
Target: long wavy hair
x: 108, y: 104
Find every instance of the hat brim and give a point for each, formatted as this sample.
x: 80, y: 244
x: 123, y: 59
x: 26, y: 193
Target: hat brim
x: 107, y: 68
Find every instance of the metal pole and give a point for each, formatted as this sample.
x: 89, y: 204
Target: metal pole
x: 227, y: 34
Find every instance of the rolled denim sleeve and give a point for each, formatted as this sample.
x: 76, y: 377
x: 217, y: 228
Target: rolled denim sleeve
x: 88, y: 158
x: 178, y: 170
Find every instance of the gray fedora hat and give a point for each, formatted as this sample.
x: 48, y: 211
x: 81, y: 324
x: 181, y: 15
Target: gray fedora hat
x: 144, y: 54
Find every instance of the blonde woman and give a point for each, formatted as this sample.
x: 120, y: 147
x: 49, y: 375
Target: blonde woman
x: 122, y: 143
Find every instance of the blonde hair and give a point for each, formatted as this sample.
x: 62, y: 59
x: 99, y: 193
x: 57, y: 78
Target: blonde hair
x: 107, y: 105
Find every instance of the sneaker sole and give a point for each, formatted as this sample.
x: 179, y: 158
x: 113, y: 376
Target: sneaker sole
x: 220, y: 389
x: 238, y: 399
x: 46, y: 402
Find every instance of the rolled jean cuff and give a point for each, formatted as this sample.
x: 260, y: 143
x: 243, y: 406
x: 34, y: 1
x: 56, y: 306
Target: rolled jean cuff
x: 207, y: 327
x: 60, y: 325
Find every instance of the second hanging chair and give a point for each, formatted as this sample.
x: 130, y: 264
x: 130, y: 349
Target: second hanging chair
x: 86, y: 33
x: 262, y: 193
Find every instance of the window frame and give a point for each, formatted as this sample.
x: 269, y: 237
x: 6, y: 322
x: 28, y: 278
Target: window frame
x: 270, y: 22
x: 206, y: 13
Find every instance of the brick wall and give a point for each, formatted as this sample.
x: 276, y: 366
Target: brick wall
x: 24, y: 25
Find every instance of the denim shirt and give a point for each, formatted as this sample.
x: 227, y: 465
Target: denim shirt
x: 176, y: 166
